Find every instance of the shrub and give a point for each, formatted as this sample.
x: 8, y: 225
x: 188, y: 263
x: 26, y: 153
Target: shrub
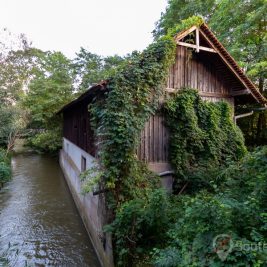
x: 238, y: 209
x: 5, y: 169
x: 139, y: 225
x: 179, y: 230
x: 49, y: 141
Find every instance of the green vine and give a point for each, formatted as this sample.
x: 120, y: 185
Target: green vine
x: 133, y: 96
x: 185, y: 24
x: 202, y: 134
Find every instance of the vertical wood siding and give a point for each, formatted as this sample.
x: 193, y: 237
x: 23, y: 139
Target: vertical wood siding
x: 189, y: 70
x: 194, y: 70
x: 154, y: 141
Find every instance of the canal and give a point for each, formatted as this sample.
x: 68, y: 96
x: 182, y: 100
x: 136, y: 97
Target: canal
x: 39, y: 223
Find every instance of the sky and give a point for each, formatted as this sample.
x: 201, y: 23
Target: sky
x: 104, y: 27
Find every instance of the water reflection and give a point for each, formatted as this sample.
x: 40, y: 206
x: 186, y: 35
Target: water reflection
x: 39, y: 224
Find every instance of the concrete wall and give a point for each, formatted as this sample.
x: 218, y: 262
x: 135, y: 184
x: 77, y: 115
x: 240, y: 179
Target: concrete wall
x: 91, y: 208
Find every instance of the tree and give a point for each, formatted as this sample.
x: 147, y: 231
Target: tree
x: 242, y: 27
x: 16, y: 72
x: 50, y: 89
x: 178, y: 10
x: 91, y: 68
x: 18, y: 59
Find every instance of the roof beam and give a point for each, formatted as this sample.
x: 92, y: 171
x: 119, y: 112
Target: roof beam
x: 197, y: 39
x: 205, y: 94
x: 185, y: 33
x: 197, y: 47
x: 240, y: 92
x: 226, y: 62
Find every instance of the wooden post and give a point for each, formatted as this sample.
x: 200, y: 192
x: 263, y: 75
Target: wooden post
x: 197, y: 39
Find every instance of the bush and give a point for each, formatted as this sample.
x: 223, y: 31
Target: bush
x: 138, y: 226
x: 5, y: 168
x: 49, y: 141
x: 170, y: 231
x: 237, y: 209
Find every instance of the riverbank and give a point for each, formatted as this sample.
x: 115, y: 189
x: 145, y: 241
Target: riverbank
x: 5, y: 167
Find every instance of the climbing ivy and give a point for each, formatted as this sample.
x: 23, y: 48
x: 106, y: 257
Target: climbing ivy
x: 202, y: 134
x: 133, y: 95
x: 184, y: 25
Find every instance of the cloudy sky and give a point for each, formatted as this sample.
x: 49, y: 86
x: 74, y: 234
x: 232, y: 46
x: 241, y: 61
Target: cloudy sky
x: 105, y: 27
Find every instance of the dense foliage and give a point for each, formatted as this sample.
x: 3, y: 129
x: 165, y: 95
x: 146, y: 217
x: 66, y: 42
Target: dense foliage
x: 178, y: 10
x: 5, y: 169
x: 237, y: 209
x: 179, y: 230
x: 203, y: 135
x: 133, y: 94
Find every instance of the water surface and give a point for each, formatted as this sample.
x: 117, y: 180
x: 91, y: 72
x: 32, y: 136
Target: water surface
x: 39, y: 223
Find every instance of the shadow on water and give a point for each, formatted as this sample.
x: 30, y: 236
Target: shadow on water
x: 39, y: 223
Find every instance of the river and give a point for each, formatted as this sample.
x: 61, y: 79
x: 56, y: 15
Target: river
x: 39, y: 223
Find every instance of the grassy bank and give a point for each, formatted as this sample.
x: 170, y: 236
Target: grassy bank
x: 5, y: 167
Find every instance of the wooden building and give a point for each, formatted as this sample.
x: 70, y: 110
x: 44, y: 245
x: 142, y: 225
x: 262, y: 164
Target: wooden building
x: 201, y: 63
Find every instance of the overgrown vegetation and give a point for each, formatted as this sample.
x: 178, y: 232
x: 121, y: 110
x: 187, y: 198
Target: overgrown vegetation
x: 203, y: 136
x: 237, y: 208
x: 5, y: 169
x: 179, y: 230
x: 203, y: 140
x: 133, y: 97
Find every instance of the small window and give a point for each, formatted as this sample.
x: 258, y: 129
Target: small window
x: 83, y: 164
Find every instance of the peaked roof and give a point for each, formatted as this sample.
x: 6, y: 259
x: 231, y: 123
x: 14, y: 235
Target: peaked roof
x: 218, y: 48
x: 215, y: 47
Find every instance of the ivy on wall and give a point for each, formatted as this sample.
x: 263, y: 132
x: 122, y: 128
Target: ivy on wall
x: 118, y: 118
x: 202, y: 134
x: 133, y: 96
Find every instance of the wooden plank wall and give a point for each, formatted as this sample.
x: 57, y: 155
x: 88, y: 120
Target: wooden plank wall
x: 195, y: 71
x: 77, y: 128
x: 154, y: 141
x: 189, y: 70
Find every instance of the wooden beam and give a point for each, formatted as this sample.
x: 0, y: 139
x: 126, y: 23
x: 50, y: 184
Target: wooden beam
x: 206, y: 94
x: 171, y: 90
x: 226, y: 62
x: 209, y: 94
x: 243, y: 115
x: 197, y: 47
x: 197, y: 39
x: 185, y: 33
x: 240, y: 92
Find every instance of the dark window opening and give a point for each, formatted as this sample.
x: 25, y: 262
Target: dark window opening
x: 83, y: 164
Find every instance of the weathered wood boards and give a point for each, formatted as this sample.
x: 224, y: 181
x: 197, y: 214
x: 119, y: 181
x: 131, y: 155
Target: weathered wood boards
x: 154, y: 141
